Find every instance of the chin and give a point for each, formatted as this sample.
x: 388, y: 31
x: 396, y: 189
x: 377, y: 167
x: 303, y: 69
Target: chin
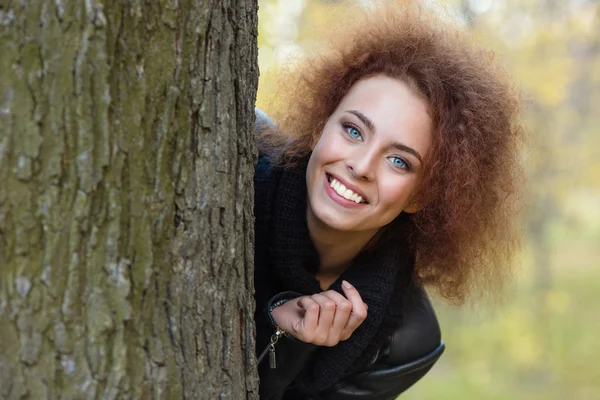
x: 332, y: 221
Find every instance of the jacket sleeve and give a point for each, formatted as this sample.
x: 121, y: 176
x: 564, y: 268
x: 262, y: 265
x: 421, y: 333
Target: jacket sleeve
x: 291, y: 355
x: 405, y: 358
x: 382, y: 382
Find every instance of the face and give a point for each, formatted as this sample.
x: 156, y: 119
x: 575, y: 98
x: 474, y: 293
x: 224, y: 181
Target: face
x: 366, y: 165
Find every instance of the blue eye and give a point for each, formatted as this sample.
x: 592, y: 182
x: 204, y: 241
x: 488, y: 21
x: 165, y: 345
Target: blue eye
x: 353, y: 132
x: 398, y: 162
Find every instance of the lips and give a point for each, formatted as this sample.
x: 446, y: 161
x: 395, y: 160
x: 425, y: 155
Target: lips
x: 345, y: 190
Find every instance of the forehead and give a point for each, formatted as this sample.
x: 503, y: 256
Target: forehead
x: 383, y: 92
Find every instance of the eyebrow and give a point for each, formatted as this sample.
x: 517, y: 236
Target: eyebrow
x: 397, y: 145
x: 364, y: 119
x: 403, y: 147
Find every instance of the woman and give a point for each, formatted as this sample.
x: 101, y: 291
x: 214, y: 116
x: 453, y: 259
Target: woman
x: 393, y: 165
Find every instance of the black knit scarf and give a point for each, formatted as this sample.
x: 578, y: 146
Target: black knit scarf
x: 381, y: 274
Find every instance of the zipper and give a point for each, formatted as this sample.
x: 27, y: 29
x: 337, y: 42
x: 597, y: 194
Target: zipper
x: 271, y: 348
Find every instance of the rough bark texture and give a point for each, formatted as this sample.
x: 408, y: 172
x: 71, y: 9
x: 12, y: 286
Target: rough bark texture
x: 126, y: 202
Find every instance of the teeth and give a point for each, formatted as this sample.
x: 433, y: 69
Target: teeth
x: 344, y: 191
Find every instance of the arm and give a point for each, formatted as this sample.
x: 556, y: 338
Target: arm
x: 290, y: 355
x: 321, y: 319
x: 384, y: 382
x: 406, y: 357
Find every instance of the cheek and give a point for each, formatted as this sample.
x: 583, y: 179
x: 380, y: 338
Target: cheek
x: 328, y: 149
x: 395, y: 193
x: 325, y: 141
x: 311, y: 171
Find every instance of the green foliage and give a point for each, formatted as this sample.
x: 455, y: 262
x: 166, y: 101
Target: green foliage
x: 528, y: 348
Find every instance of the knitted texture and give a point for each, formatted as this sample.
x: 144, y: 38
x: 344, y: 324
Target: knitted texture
x: 381, y: 273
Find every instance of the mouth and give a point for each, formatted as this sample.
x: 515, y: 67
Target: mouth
x: 345, y: 192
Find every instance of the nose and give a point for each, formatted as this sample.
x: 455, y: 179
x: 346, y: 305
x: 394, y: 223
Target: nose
x: 361, y: 165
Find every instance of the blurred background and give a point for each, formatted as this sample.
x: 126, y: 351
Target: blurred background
x: 543, y: 341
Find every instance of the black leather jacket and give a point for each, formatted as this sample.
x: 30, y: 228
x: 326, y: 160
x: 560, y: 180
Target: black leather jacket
x: 403, y: 358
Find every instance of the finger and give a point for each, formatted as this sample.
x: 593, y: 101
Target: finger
x: 326, y: 315
x: 359, y: 309
x: 306, y: 326
x: 342, y: 313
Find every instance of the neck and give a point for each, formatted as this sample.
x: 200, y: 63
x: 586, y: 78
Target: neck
x: 336, y: 248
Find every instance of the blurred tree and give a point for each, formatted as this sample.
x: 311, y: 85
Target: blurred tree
x: 126, y: 201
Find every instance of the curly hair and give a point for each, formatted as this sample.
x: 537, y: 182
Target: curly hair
x: 465, y: 235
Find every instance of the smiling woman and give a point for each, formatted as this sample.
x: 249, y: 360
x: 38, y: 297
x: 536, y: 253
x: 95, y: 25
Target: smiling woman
x: 393, y: 166
x: 372, y: 144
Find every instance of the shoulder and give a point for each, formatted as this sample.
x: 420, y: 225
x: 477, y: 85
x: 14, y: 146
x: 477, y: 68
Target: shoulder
x: 262, y: 121
x: 264, y: 169
x: 418, y: 332
x: 270, y: 138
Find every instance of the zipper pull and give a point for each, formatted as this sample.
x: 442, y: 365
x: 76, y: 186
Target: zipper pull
x: 272, y: 358
x: 271, y: 348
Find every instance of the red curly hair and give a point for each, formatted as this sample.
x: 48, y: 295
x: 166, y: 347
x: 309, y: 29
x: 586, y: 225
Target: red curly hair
x: 465, y: 234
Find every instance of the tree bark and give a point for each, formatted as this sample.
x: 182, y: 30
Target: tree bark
x: 126, y: 199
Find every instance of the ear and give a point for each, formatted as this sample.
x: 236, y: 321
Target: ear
x: 413, y: 207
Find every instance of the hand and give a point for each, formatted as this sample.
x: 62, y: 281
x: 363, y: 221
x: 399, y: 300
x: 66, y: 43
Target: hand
x: 323, y: 319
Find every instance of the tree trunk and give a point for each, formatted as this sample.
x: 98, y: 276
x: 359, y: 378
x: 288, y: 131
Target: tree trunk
x: 126, y: 227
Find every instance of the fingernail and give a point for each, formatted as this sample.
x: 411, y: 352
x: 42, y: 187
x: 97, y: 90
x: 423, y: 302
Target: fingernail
x: 347, y: 285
